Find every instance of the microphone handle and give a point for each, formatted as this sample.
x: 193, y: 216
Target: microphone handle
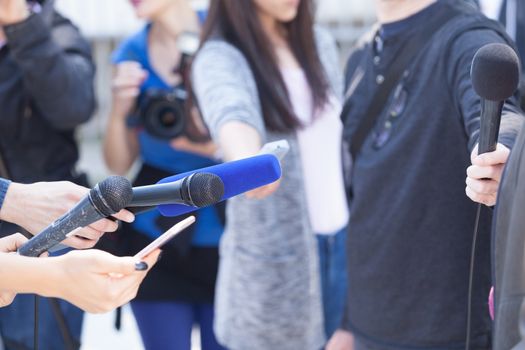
x: 168, y: 193
x: 489, y: 128
x: 83, y: 214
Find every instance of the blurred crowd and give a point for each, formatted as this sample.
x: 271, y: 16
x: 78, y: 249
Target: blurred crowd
x: 364, y: 243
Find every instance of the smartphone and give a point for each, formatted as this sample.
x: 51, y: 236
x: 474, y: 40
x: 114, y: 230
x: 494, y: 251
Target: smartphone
x: 165, y: 237
x: 277, y: 148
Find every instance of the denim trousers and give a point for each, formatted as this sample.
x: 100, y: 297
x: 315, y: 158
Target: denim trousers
x: 334, y: 279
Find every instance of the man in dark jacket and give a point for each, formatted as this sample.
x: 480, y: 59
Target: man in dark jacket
x: 46, y: 91
x: 410, y: 231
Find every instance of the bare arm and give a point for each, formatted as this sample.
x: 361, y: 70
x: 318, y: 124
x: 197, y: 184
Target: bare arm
x: 93, y: 280
x: 121, y: 147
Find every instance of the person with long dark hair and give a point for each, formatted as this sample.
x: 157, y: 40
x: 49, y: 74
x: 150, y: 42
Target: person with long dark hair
x: 151, y: 120
x: 265, y: 72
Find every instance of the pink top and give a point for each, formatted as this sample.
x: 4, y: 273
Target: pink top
x: 320, y: 147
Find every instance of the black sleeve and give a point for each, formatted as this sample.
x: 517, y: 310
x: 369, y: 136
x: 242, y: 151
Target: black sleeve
x: 467, y: 101
x: 57, y: 68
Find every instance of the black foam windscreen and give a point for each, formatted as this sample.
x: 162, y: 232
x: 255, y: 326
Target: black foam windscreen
x: 112, y: 194
x: 495, y: 72
x: 205, y: 189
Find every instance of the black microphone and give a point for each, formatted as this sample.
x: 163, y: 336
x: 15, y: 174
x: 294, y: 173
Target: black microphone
x: 495, y: 77
x: 105, y: 199
x: 196, y: 190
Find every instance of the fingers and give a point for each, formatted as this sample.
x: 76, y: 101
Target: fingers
x: 101, y: 226
x: 482, y: 186
x: 499, y: 156
x: 129, y: 76
x: 12, y: 243
x: 79, y: 242
x: 124, y: 215
x: 487, y: 199
x: 493, y: 172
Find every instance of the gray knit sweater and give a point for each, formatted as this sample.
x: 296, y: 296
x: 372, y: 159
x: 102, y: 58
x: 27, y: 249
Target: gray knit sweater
x: 268, y: 288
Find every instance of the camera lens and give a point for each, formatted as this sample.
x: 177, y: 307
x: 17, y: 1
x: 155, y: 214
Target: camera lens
x: 164, y: 119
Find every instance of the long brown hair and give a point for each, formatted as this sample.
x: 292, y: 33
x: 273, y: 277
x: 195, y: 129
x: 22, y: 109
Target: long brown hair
x: 237, y: 22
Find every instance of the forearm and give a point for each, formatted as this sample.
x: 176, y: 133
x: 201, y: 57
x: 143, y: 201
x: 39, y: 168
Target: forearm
x: 121, y: 146
x: 238, y: 140
x: 20, y: 274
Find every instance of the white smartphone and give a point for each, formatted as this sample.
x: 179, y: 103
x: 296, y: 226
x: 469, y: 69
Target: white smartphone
x: 277, y: 148
x: 165, y: 237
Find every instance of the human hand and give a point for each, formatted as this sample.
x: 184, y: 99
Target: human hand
x: 341, y: 340
x: 7, y: 245
x: 484, y: 175
x: 264, y: 191
x: 37, y: 205
x: 128, y: 78
x: 182, y: 143
x: 97, y: 281
x: 13, y: 11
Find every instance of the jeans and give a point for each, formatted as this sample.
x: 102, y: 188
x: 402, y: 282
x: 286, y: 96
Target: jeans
x: 168, y: 325
x: 17, y: 324
x: 334, y: 279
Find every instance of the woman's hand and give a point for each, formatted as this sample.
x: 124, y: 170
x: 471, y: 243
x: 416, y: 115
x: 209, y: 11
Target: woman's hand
x: 128, y: 78
x: 7, y: 245
x: 484, y: 175
x: 264, y: 191
x: 97, y: 281
x: 37, y: 205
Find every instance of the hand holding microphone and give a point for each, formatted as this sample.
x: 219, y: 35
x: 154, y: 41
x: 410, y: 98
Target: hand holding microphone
x: 104, y: 200
x: 495, y: 76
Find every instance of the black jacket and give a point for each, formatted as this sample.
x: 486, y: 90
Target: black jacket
x: 509, y: 243
x: 46, y: 90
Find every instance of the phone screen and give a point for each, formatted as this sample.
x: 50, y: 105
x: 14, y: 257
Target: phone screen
x: 165, y: 237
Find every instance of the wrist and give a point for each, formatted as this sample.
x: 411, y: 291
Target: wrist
x: 13, y: 203
x: 51, y: 271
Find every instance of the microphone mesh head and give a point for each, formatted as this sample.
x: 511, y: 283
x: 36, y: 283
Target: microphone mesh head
x: 205, y: 189
x: 111, y: 195
x: 495, y: 72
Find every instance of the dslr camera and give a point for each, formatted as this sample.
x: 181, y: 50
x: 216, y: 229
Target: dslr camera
x: 163, y: 113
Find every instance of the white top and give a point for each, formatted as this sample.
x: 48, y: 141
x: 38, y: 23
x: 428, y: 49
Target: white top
x: 320, y: 146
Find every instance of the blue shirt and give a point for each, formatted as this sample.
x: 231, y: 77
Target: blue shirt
x: 159, y: 153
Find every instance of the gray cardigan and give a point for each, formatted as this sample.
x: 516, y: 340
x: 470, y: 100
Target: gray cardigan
x: 268, y: 289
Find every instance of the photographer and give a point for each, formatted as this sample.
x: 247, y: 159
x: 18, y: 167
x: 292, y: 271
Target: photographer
x: 46, y: 91
x: 149, y: 120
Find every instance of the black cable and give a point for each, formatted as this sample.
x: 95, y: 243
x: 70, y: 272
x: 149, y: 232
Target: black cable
x: 35, y: 332
x: 471, y: 277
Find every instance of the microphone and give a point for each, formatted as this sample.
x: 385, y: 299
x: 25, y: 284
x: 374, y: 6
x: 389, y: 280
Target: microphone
x: 495, y: 77
x: 238, y: 177
x: 196, y: 190
x: 105, y: 199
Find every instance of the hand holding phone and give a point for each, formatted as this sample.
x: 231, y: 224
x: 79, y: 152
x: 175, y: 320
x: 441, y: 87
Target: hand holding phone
x: 165, y: 237
x: 277, y: 148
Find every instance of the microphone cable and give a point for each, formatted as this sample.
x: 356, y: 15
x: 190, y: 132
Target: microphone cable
x: 471, y: 276
x: 35, y: 329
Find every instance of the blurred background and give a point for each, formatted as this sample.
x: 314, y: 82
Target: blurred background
x: 106, y: 23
